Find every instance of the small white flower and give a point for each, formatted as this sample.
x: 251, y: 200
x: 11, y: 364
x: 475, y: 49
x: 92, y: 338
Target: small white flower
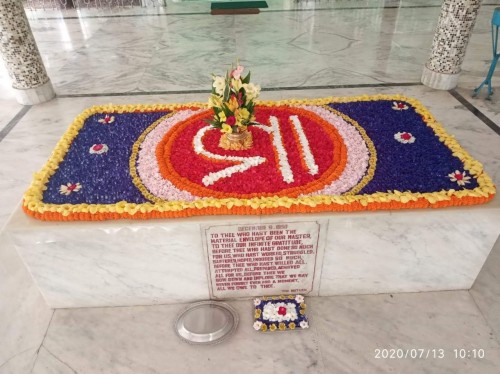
x: 256, y: 302
x: 299, y: 299
x: 460, y: 177
x: 219, y: 85
x: 107, y: 119
x: 98, y: 149
x: 252, y: 90
x: 304, y: 324
x: 399, y: 106
x: 404, y: 137
x: 257, y: 325
x: 69, y: 188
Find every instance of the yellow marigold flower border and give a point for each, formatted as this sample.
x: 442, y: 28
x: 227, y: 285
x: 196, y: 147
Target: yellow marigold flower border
x: 35, y: 207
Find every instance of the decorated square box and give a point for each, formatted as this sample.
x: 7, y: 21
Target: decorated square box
x: 280, y: 313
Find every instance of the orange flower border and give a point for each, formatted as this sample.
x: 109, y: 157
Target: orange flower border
x: 35, y: 207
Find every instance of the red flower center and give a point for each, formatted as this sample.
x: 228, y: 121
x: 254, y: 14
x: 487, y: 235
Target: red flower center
x: 72, y: 187
x: 401, y: 105
x: 281, y: 310
x: 98, y: 147
x: 406, y: 136
x: 231, y: 120
x: 459, y: 176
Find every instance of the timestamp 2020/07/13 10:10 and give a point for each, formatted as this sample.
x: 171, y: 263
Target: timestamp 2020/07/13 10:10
x: 428, y: 353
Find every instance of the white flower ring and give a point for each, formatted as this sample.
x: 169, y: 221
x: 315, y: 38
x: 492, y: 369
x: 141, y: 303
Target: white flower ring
x: 273, y: 312
x: 358, y: 156
x: 147, y: 164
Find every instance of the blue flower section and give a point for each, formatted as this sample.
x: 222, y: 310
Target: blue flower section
x: 105, y: 178
x: 422, y: 166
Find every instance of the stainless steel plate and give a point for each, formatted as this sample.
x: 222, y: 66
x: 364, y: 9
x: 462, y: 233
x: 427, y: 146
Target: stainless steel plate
x: 206, y: 322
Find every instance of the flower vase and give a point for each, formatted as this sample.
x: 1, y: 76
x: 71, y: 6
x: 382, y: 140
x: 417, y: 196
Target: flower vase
x: 236, y: 141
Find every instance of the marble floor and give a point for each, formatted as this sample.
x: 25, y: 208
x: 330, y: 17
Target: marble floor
x: 294, y: 49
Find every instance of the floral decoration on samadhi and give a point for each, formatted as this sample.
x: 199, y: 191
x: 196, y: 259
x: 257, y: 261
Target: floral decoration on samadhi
x: 107, y: 119
x: 404, y: 137
x: 69, y: 188
x: 98, y: 149
x: 460, y: 177
x: 396, y: 105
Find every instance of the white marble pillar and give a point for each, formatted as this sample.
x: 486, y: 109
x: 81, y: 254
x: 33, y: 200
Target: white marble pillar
x: 453, y: 32
x: 18, y: 49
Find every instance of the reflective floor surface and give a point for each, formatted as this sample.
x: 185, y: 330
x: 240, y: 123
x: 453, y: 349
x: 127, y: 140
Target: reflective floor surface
x: 295, y: 49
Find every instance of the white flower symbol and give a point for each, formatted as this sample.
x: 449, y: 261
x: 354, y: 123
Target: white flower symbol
x: 404, y: 137
x: 460, y: 177
x: 69, y: 188
x: 399, y: 106
x: 107, y: 119
x: 98, y: 149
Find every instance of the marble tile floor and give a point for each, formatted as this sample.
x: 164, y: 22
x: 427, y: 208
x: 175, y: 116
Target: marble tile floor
x: 344, y: 336
x: 97, y: 54
x: 141, y: 53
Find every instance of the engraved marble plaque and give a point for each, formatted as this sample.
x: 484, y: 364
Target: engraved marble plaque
x: 263, y: 259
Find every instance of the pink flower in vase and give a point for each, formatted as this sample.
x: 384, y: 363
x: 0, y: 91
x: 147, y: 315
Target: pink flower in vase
x: 236, y: 73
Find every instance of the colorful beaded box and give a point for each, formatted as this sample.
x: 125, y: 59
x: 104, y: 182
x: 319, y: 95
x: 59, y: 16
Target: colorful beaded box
x: 332, y: 154
x: 280, y: 313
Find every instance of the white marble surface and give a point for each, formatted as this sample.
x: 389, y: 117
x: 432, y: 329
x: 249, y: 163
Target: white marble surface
x: 490, y: 108
x: 439, y: 81
x: 352, y: 327
x: 114, y: 263
x: 344, y: 333
x: 37, y: 95
x: 9, y: 110
x: 159, y: 262
x: 486, y: 289
x: 24, y: 315
x: 142, y: 340
x: 407, y: 251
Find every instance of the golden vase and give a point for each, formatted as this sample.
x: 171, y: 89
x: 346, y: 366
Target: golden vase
x: 236, y: 141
